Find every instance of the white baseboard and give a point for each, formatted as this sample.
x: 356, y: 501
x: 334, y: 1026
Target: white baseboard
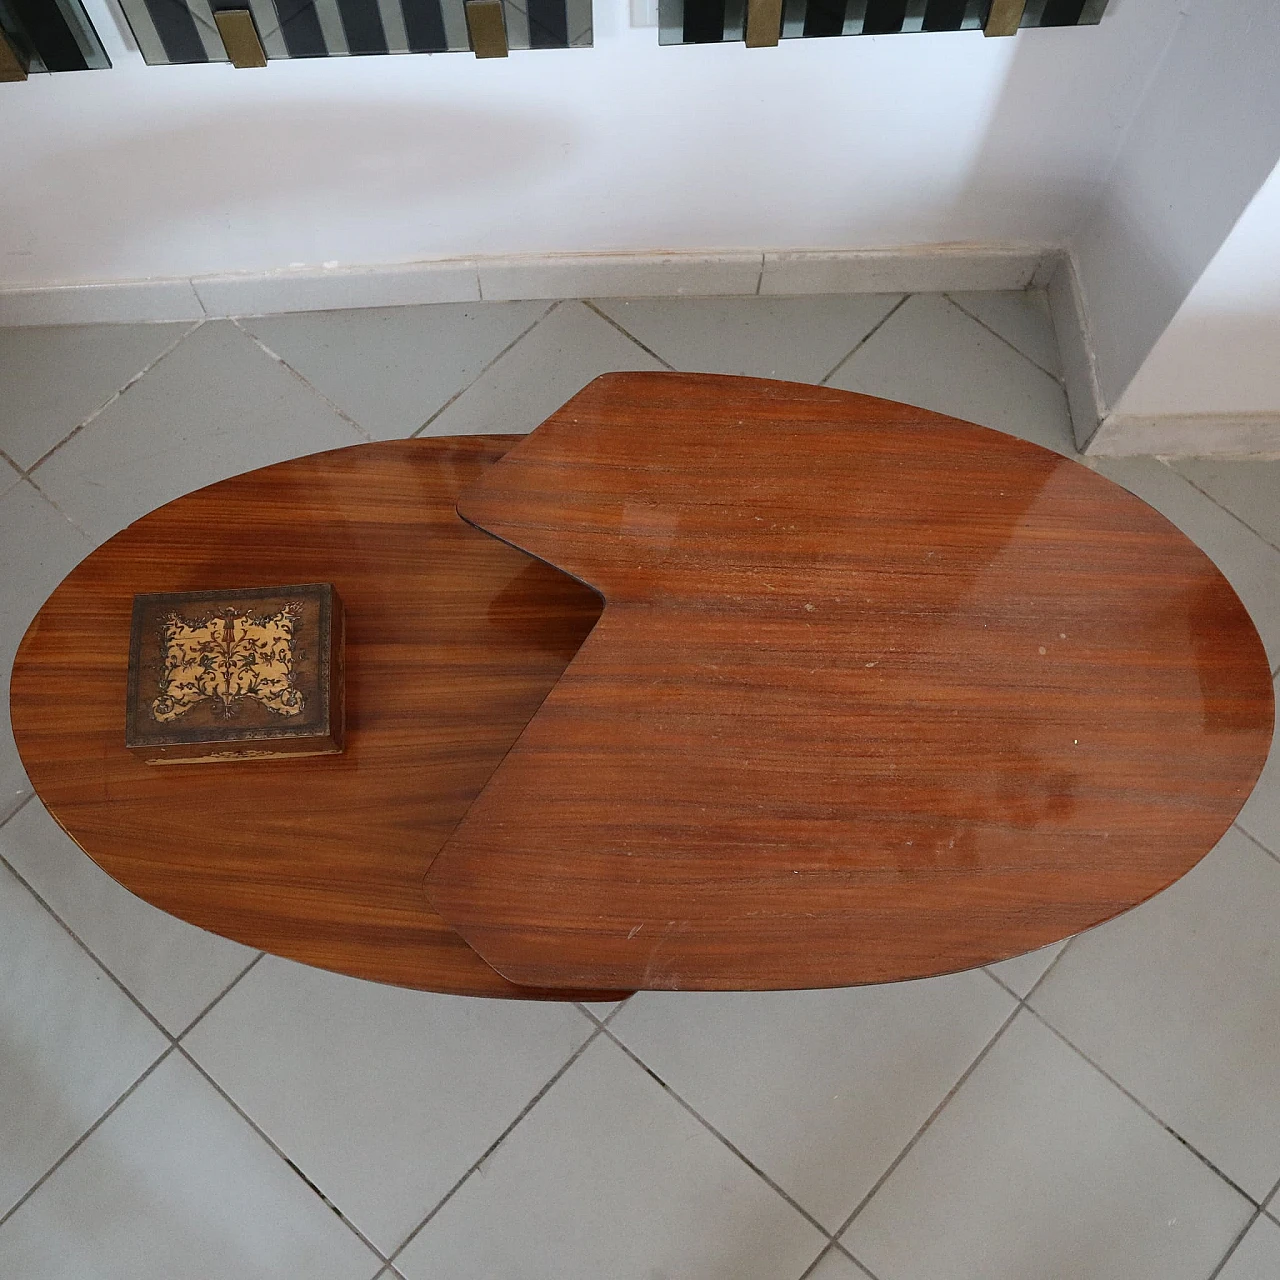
x: 113, y: 302
x: 1173, y: 435
x: 1103, y: 434
x: 941, y: 268
x: 909, y: 269
x: 1079, y: 369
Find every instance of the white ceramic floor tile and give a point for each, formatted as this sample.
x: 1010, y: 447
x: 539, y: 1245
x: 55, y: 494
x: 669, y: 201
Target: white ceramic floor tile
x: 1179, y: 1000
x: 391, y: 368
x: 609, y: 1176
x: 1260, y: 816
x: 71, y: 1043
x: 567, y: 350
x: 1039, y: 1166
x: 173, y: 968
x: 1250, y: 489
x: 1257, y: 1256
x: 1020, y: 317
x: 214, y: 407
x: 53, y: 378
x: 383, y: 1097
x: 820, y: 1089
x: 794, y: 339
x: 835, y: 1266
x: 929, y: 353
x: 176, y: 1186
x: 38, y: 548
x: 1023, y: 972
x: 1249, y: 564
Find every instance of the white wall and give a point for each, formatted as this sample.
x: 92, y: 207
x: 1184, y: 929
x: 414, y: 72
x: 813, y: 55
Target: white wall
x: 857, y: 143
x: 1221, y: 352
x: 1205, y: 140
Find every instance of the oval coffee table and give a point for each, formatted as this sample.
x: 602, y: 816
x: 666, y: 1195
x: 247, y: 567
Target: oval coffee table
x: 875, y: 694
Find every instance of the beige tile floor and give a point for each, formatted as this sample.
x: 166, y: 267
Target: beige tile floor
x: 174, y: 1106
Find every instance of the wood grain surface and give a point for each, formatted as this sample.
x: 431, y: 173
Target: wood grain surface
x: 453, y: 639
x: 876, y: 694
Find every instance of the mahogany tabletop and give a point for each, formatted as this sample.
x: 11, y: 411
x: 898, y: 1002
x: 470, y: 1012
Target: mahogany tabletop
x: 876, y: 694
x: 453, y: 639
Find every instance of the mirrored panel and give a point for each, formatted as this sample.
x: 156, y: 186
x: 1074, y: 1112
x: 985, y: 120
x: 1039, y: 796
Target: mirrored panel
x: 170, y: 31
x: 48, y: 35
x: 715, y: 21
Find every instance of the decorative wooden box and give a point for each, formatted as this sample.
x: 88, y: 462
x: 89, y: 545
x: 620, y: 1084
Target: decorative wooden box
x: 235, y: 675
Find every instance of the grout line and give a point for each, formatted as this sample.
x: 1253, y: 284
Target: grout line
x: 84, y: 946
x: 216, y: 999
x: 1001, y: 983
x: 22, y: 804
x: 1035, y: 1013
x: 862, y: 1266
x: 630, y: 337
x: 608, y: 1018
x: 191, y: 281
x: 1035, y: 986
x: 106, y: 404
x: 414, y: 435
x: 248, y: 1119
x: 495, y: 1144
x: 924, y: 1128
x: 92, y: 539
x: 280, y: 360
x: 1252, y: 839
x: 17, y: 470
x: 173, y: 1044
x: 995, y: 333
x: 80, y: 1141
x: 1220, y: 505
x: 1235, y: 1244
x: 480, y: 286
x: 1244, y: 1231
x: 1140, y: 1104
x: 710, y: 1128
x: 866, y: 337
x: 826, y: 1249
x: 760, y: 277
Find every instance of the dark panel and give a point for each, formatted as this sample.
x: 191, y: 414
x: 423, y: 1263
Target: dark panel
x: 824, y: 17
x: 301, y: 29
x: 424, y: 25
x: 549, y: 24
x: 177, y: 31
x: 362, y: 24
x: 48, y: 31
x: 703, y: 21
x: 1062, y: 13
x: 944, y: 15
x: 884, y: 17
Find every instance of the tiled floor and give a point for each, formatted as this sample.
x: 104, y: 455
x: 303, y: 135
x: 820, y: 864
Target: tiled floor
x: 175, y: 1107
